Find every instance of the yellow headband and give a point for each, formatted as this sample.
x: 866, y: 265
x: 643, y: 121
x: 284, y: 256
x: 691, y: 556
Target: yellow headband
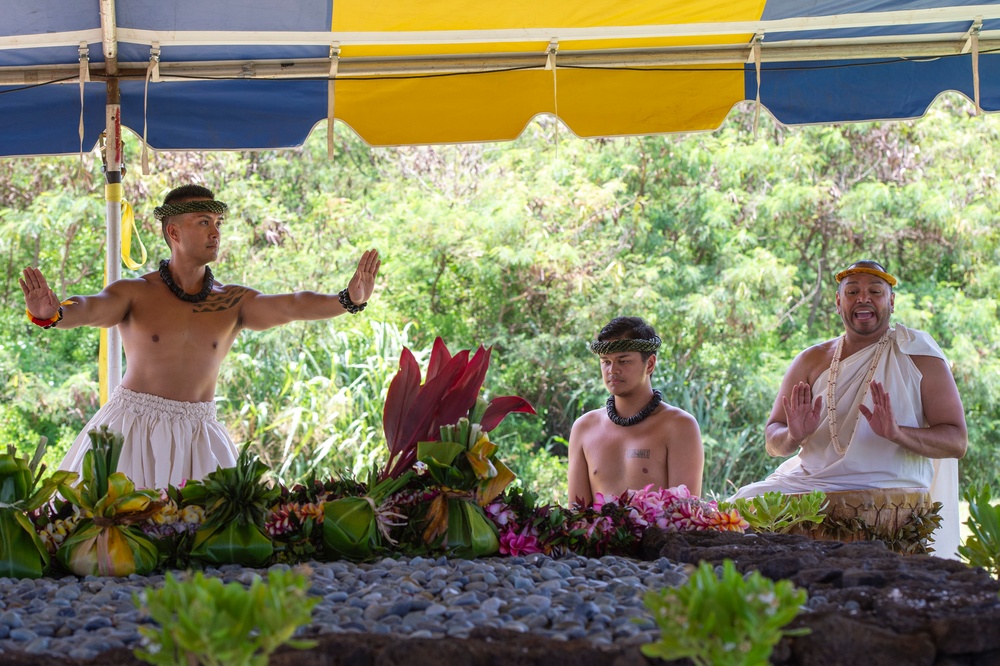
x: 870, y: 271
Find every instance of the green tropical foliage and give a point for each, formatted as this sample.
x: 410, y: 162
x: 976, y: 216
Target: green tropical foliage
x: 201, y: 620
x: 726, y: 244
x: 724, y: 619
x: 780, y: 513
x: 982, y: 547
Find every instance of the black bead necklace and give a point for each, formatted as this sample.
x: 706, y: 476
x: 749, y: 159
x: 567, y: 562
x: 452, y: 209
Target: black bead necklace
x: 635, y: 418
x: 168, y: 280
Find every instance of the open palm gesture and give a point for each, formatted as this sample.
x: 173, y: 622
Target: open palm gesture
x: 881, y: 416
x: 362, y: 284
x: 801, y: 411
x: 39, y: 299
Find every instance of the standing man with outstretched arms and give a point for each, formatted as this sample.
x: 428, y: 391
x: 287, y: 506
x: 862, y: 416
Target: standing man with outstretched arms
x: 177, y: 324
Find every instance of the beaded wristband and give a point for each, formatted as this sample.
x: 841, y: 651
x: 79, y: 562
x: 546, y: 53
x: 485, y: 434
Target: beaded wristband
x: 349, y: 305
x: 45, y: 323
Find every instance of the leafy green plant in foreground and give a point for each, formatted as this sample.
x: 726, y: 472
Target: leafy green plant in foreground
x: 22, y: 554
x: 982, y: 548
x: 723, y: 621
x: 203, y: 621
x: 780, y: 513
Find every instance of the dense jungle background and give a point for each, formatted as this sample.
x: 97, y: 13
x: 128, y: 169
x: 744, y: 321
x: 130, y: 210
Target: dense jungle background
x: 726, y: 242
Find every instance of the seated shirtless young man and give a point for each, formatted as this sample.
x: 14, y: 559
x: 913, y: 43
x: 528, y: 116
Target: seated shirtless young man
x: 637, y: 439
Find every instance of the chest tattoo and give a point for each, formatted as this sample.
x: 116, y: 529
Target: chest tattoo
x: 223, y: 300
x: 637, y: 453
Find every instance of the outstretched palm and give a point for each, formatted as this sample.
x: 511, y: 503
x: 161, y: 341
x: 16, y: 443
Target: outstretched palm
x: 801, y: 412
x: 362, y: 284
x: 881, y: 417
x: 39, y: 299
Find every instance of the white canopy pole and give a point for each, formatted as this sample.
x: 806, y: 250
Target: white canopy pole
x: 112, y: 192
x: 113, y: 219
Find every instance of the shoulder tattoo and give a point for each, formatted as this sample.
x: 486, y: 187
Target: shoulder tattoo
x: 222, y: 300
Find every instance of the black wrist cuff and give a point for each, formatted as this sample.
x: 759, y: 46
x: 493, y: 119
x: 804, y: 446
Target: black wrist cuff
x: 349, y: 305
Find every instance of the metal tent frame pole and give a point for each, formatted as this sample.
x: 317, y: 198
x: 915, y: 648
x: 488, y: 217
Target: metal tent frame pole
x: 111, y: 337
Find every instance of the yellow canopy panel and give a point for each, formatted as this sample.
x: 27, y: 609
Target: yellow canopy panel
x: 497, y: 105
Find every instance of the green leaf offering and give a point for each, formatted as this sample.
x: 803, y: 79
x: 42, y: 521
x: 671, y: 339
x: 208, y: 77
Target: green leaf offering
x: 203, y: 621
x: 351, y: 524
x: 106, y: 543
x: 725, y: 620
x: 350, y: 527
x: 22, y: 553
x: 236, y: 501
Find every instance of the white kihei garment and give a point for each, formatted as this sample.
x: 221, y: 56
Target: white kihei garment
x: 166, y: 441
x: 872, y: 461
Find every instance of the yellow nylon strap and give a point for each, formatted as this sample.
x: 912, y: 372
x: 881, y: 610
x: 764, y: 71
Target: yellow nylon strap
x: 128, y: 227
x: 115, y: 192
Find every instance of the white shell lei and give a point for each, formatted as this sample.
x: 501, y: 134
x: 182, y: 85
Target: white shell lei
x: 831, y: 386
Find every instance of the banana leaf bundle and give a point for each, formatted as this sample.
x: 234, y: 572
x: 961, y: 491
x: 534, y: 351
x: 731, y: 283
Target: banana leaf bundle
x: 464, y: 463
x: 460, y: 525
x: 107, y: 541
x: 236, y: 502
x: 22, y: 553
x: 351, y: 525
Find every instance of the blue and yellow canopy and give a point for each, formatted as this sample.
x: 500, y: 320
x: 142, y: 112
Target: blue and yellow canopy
x: 226, y: 74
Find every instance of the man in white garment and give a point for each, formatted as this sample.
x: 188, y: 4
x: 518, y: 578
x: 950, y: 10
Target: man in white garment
x: 896, y: 378
x: 177, y: 325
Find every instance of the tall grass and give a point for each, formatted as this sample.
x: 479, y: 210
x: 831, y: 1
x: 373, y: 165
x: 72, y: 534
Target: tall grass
x: 314, y: 406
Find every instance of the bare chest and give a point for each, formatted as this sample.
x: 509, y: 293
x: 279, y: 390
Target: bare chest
x: 626, y: 457
x: 166, y: 325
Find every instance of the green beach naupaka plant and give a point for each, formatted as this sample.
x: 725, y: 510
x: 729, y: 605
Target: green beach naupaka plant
x: 725, y: 620
x: 982, y: 548
x: 203, y: 621
x: 780, y: 513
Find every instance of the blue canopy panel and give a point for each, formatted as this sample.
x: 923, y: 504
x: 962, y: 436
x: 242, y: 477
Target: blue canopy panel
x: 827, y: 92
x: 220, y: 115
x: 263, y: 16
x: 47, y: 118
x: 38, y: 17
x: 243, y: 16
x: 784, y: 9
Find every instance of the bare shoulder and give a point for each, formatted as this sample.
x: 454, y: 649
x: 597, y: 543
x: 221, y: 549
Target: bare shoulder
x: 677, y: 419
x: 588, y: 420
x: 240, y: 287
x: 812, y: 361
x: 817, y: 352
x: 130, y: 286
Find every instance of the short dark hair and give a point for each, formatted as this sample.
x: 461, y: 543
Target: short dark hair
x: 630, y: 328
x: 188, y: 192
x: 183, y: 193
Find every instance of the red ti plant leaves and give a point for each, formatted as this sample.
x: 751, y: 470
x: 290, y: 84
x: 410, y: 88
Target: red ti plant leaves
x: 439, y: 357
x: 501, y: 407
x: 400, y: 397
x: 415, y: 412
x: 461, y: 397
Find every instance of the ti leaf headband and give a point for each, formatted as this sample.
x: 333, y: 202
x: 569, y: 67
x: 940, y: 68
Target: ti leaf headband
x: 205, y: 205
x: 640, y: 345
